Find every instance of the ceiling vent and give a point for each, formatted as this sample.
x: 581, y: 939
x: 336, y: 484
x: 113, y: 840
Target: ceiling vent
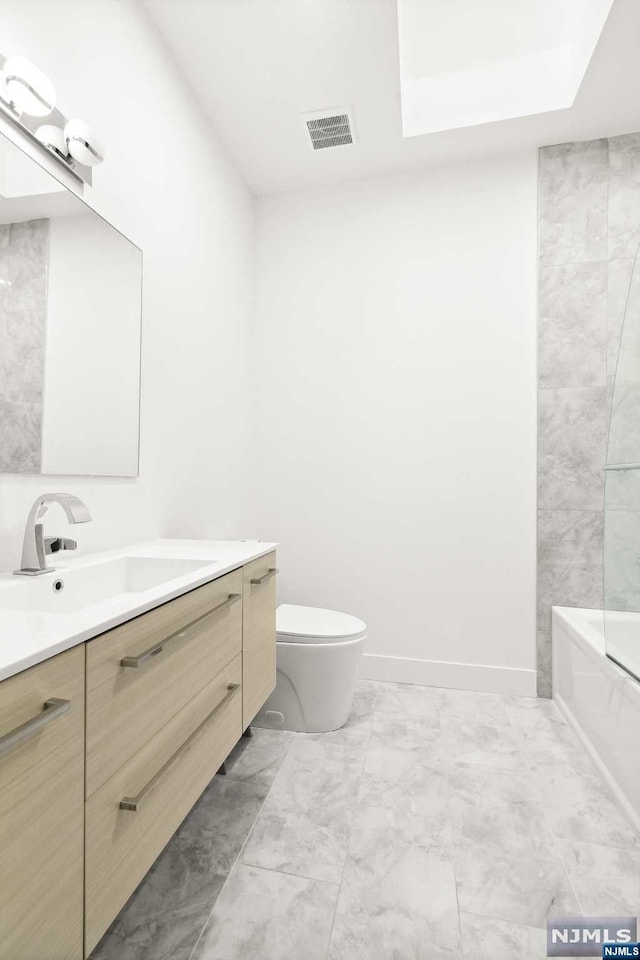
x: 329, y: 128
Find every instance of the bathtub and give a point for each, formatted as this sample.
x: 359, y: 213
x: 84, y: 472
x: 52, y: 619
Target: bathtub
x: 599, y: 699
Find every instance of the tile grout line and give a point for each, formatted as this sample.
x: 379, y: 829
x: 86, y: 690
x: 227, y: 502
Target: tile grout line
x: 287, y: 873
x: 451, y: 861
x: 344, y: 865
x: 239, y: 855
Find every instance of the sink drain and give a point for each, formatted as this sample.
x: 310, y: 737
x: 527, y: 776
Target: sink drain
x: 58, y: 586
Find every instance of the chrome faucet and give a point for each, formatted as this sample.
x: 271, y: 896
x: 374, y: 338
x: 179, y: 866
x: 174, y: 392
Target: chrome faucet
x: 35, y: 546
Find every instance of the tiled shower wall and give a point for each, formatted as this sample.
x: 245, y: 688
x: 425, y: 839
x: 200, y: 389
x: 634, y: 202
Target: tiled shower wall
x: 23, y: 309
x: 589, y: 196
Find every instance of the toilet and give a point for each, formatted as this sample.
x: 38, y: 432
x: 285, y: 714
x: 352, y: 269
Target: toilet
x: 318, y: 652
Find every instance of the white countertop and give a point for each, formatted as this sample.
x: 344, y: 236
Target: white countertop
x: 28, y: 636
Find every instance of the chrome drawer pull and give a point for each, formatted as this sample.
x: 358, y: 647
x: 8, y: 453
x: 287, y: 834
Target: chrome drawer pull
x: 134, y: 803
x: 157, y: 648
x: 52, y: 709
x: 270, y: 573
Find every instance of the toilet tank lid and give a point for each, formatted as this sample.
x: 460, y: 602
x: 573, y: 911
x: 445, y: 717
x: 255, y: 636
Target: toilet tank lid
x: 295, y: 621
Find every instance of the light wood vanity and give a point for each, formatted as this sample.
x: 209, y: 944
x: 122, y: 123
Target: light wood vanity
x: 105, y: 748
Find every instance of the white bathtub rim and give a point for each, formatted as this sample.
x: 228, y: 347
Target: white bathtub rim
x: 576, y: 622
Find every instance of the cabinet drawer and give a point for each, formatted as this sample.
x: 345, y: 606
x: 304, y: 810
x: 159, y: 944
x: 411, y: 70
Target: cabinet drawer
x: 128, y: 704
x: 259, y: 643
x: 42, y: 810
x: 158, y: 786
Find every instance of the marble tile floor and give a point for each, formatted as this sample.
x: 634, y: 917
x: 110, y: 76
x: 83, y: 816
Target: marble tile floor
x: 436, y: 824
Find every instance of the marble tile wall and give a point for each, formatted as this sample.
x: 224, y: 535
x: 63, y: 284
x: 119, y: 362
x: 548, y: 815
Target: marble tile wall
x: 23, y: 305
x: 589, y: 228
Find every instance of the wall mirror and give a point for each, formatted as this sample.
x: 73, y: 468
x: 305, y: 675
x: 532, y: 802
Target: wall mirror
x: 70, y: 327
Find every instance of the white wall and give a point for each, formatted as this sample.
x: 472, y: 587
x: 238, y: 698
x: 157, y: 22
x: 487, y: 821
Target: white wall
x: 395, y: 365
x: 168, y: 185
x: 395, y: 356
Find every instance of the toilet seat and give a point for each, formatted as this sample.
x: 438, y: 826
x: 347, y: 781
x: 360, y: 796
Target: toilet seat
x: 296, y: 624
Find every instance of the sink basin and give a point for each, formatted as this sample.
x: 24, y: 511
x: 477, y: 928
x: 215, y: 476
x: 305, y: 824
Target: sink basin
x: 65, y: 591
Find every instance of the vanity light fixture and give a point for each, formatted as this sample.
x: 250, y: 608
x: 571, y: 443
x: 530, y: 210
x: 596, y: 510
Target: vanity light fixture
x: 26, y: 96
x: 53, y: 139
x: 27, y: 89
x: 82, y: 143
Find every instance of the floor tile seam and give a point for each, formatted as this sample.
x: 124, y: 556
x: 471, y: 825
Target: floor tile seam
x: 482, y: 764
x: 620, y: 847
x: 453, y: 765
x: 286, y: 757
x: 537, y: 860
x: 458, y: 911
x: 279, y: 775
x: 346, y: 807
x: 572, y: 885
x: 347, y: 802
x: 344, y: 864
x: 288, y: 873
x: 487, y: 916
x: 500, y: 917
x: 248, y: 780
x: 311, y: 802
x: 635, y: 851
x: 337, y: 900
x: 233, y: 867
x: 399, y: 714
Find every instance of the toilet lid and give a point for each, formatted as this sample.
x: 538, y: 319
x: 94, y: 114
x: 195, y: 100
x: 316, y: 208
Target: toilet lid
x: 297, y: 624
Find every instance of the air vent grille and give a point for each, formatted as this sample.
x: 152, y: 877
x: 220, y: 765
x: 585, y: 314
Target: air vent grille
x: 331, y: 131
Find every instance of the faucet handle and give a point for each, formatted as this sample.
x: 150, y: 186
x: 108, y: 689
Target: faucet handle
x: 55, y: 544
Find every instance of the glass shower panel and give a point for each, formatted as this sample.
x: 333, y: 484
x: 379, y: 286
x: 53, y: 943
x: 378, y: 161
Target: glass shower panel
x: 622, y: 483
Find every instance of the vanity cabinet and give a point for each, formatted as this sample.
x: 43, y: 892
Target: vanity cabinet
x: 42, y: 810
x: 91, y: 792
x: 259, y: 631
x: 143, y: 672
x: 135, y: 813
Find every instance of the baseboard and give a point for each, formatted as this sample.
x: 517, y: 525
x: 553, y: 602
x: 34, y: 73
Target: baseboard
x: 457, y: 676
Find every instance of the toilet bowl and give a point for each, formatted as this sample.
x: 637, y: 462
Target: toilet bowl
x: 318, y: 652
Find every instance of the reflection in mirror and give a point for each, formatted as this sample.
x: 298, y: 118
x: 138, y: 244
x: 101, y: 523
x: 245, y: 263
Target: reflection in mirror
x: 70, y: 303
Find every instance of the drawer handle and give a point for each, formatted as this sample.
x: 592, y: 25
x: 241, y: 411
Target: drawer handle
x: 134, y: 803
x: 157, y: 648
x: 271, y: 572
x: 52, y: 709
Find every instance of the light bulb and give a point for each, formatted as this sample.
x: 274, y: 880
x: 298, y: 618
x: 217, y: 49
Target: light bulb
x: 82, y: 143
x: 52, y: 137
x: 27, y: 88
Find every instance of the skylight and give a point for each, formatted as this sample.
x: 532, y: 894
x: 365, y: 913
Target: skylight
x: 464, y: 63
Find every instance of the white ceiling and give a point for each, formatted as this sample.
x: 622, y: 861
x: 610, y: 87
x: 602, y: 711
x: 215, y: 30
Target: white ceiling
x: 257, y: 65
